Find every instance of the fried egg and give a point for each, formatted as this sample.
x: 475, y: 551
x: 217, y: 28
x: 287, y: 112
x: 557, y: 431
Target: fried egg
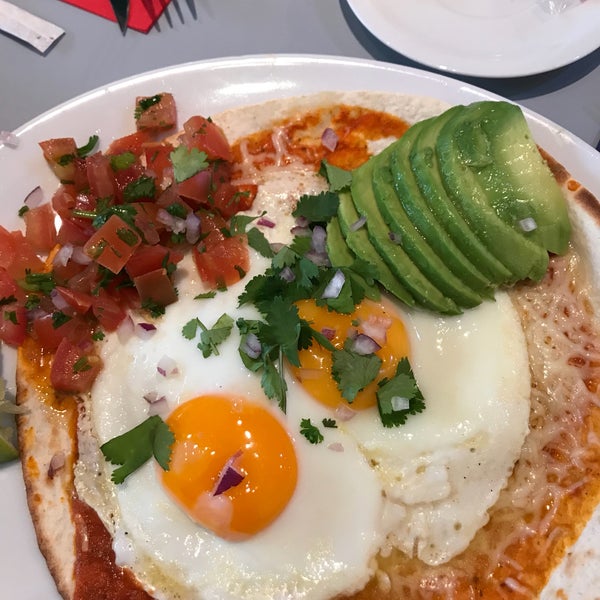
x: 308, y: 520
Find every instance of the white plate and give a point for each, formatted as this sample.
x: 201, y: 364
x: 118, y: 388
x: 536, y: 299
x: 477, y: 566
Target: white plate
x: 206, y: 88
x: 486, y: 38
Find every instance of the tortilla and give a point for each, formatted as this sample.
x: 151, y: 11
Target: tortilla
x: 47, y: 431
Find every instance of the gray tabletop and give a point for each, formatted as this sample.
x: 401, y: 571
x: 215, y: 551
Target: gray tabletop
x: 93, y: 52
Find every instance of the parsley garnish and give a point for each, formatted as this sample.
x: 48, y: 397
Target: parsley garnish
x: 311, y: 432
x: 186, y: 163
x: 132, y: 449
x: 402, y: 386
x: 210, y: 339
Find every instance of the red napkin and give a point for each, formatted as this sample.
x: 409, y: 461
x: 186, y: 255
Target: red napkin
x: 142, y: 13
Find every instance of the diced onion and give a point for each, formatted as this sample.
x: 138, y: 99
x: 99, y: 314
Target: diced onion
x: 344, y: 413
x: 336, y: 447
x: 328, y: 333
x: 335, y: 285
x: 80, y: 257
x: 399, y: 403
x: 251, y: 346
x: 35, y: 197
x: 264, y: 222
x: 287, y: 274
x: 58, y: 300
x: 528, y: 224
x: 158, y: 404
x: 358, y: 224
x: 229, y: 476
x: 145, y: 330
x: 364, y: 344
x: 57, y: 462
x: 167, y: 366
x: 125, y: 329
x: 61, y: 258
x: 319, y: 237
x: 8, y: 138
x: 192, y: 228
x: 329, y: 139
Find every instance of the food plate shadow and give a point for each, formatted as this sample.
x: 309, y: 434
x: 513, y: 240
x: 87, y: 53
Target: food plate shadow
x: 174, y: 12
x: 514, y: 88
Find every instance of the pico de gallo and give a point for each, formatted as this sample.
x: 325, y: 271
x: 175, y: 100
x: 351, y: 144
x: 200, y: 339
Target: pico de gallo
x: 127, y: 216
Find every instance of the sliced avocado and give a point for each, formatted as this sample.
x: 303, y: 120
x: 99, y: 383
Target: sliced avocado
x: 410, y: 203
x: 358, y: 242
x: 424, y: 165
x: 523, y: 258
x: 421, y: 288
x: 411, y: 241
x: 337, y: 249
x: 495, y: 144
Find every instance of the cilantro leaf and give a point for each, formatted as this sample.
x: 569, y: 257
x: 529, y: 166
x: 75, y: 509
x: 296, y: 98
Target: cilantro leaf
x: 188, y: 331
x: 143, y: 187
x: 338, y: 179
x: 317, y: 209
x: 400, y: 389
x: 258, y: 241
x: 186, y: 163
x: 88, y: 147
x: 329, y: 423
x: 353, y: 371
x: 210, y: 339
x: 135, y: 447
x: 239, y: 223
x: 273, y: 381
x: 311, y: 432
x: 143, y: 104
x: 118, y: 162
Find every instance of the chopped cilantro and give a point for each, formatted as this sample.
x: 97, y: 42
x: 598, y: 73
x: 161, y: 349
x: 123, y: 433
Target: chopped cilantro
x: 239, y: 223
x: 205, y: 295
x: 59, y: 318
x: 143, y: 104
x: 311, y: 432
x: 330, y: 423
x: 353, y: 372
x: 32, y: 301
x: 132, y: 449
x: 81, y: 364
x: 11, y: 315
x: 87, y: 147
x: 23, y: 210
x: 177, y: 210
x: 154, y: 308
x: 98, y: 335
x: 258, y: 241
x: 186, y: 163
x: 338, y: 179
x: 65, y: 159
x: 7, y: 300
x: 128, y: 236
x: 403, y: 386
x: 119, y: 162
x: 210, y: 339
x: 38, y: 282
x: 319, y: 208
x: 143, y: 187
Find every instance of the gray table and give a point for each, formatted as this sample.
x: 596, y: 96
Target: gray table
x: 93, y: 52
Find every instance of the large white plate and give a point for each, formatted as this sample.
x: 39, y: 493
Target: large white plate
x: 206, y: 88
x: 486, y: 38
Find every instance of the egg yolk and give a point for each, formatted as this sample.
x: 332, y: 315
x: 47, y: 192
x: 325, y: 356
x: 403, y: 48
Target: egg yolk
x: 222, y: 441
x: 369, y: 318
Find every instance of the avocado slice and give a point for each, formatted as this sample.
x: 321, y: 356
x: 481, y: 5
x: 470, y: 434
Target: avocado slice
x: 424, y: 166
x: 410, y: 203
x: 523, y: 258
x: 421, y: 288
x: 496, y: 145
x: 358, y: 242
x: 411, y: 241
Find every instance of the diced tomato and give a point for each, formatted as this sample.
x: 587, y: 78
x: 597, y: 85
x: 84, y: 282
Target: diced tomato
x: 49, y: 335
x: 40, y: 230
x: 7, y: 248
x: 155, y: 287
x: 149, y: 258
x: 156, y: 113
x: 108, y: 311
x: 13, y: 317
x: 230, y: 199
x: 74, y: 232
x: 25, y: 257
x: 113, y: 244
x: 145, y: 221
x: 85, y: 280
x: 158, y: 159
x: 60, y: 154
x: 220, y: 260
x: 133, y: 143
x: 100, y: 175
x: 197, y: 188
x: 125, y: 177
x: 73, y: 370
x: 80, y: 302
x: 201, y: 133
